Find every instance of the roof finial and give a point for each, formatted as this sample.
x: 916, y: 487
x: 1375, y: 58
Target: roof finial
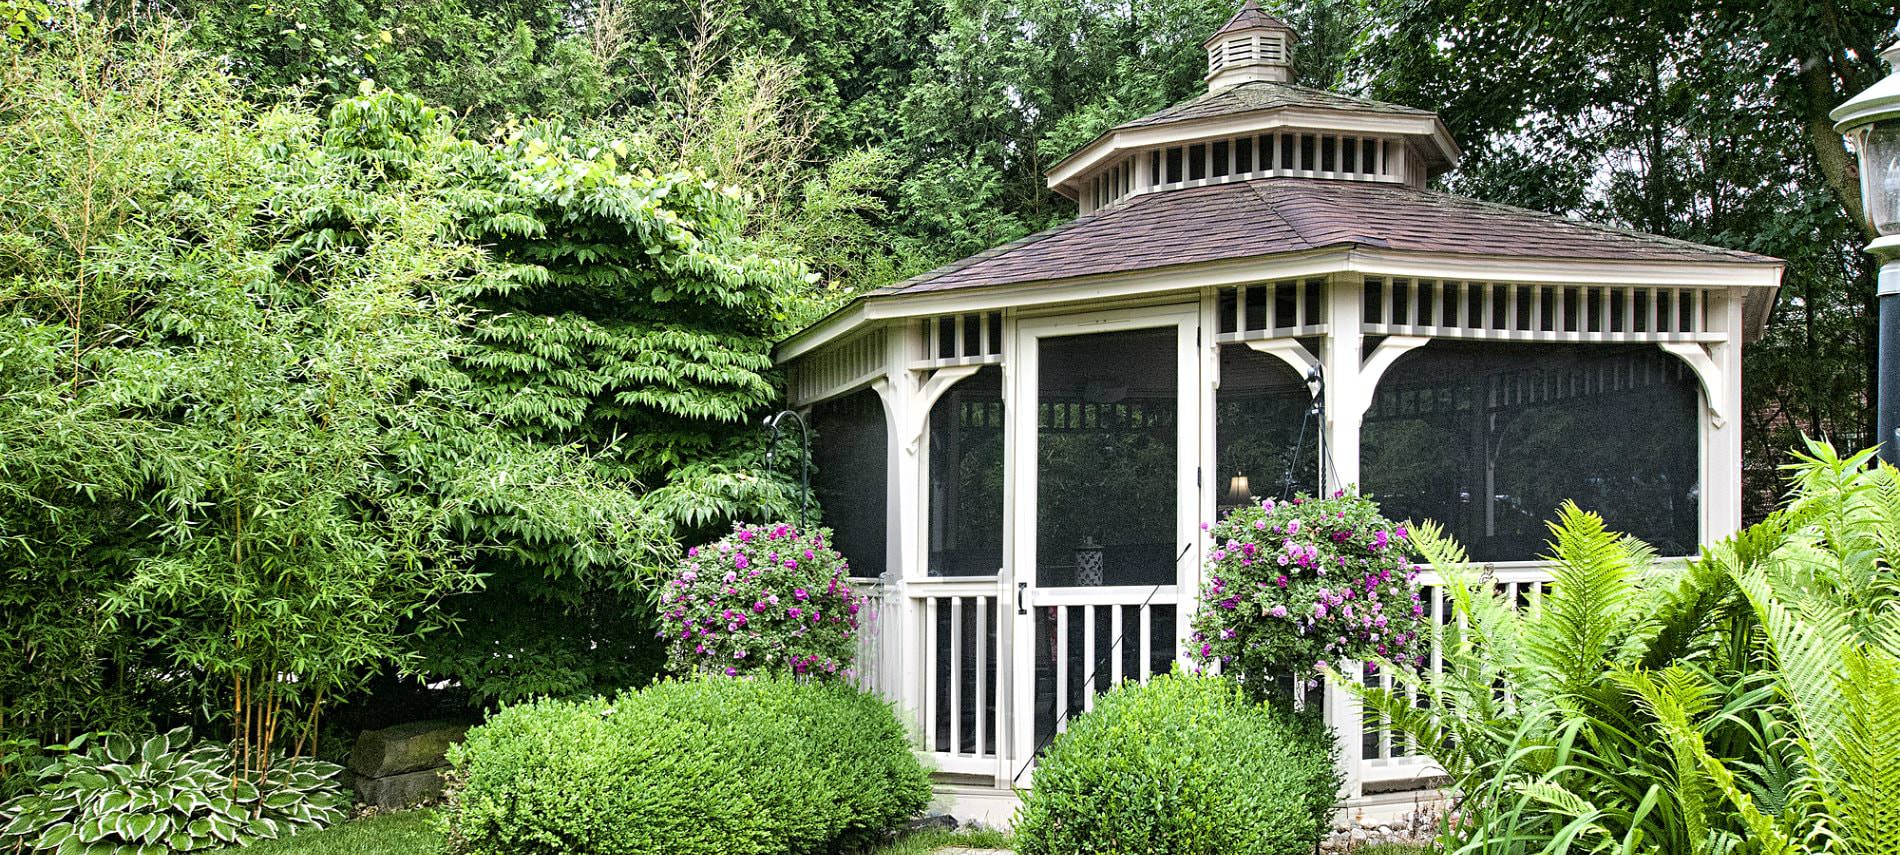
x: 1252, y: 45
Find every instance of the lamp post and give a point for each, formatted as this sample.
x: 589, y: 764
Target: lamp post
x: 1871, y: 123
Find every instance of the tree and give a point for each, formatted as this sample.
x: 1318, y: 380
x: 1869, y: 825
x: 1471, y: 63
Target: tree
x: 486, y: 61
x: 1702, y: 119
x: 218, y: 409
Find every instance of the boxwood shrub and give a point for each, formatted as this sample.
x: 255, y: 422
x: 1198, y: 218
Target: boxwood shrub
x: 696, y: 766
x: 1184, y: 765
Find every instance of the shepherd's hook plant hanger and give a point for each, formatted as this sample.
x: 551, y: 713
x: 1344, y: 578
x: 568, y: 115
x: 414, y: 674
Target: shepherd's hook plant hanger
x: 775, y: 423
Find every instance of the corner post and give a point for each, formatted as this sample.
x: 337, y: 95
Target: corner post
x: 899, y: 390
x: 1340, y: 359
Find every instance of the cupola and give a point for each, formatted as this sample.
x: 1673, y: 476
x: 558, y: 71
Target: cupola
x: 1255, y: 123
x: 1252, y: 45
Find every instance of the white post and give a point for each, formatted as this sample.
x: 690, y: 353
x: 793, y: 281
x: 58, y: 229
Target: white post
x: 898, y: 389
x: 1723, y: 495
x: 1340, y: 361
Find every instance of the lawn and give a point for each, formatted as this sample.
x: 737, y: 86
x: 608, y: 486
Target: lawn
x: 414, y: 833
x: 410, y: 832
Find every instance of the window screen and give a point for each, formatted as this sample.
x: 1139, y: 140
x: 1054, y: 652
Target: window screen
x: 966, y: 477
x: 849, y: 475
x: 1107, y: 458
x: 1259, y: 413
x: 1489, y: 439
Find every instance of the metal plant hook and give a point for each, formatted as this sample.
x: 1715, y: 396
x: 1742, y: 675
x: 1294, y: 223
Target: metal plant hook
x: 773, y: 423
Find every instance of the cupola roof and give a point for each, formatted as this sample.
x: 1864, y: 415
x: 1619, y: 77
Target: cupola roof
x: 1252, y: 45
x: 1252, y: 96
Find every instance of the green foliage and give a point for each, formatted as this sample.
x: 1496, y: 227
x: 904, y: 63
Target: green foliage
x: 1183, y: 764
x: 488, y: 61
x: 1742, y: 703
x: 621, y: 313
x: 166, y: 795
x: 1698, y: 119
x: 709, y: 766
x: 22, y: 19
x: 240, y: 466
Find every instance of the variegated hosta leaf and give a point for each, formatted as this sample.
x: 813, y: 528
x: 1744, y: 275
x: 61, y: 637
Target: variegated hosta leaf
x: 182, y: 800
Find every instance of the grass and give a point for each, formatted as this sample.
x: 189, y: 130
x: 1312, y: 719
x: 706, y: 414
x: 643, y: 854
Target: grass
x: 413, y: 833
x: 924, y: 842
x: 410, y: 832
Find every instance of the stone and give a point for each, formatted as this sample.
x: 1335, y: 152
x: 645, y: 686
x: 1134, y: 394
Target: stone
x: 404, y: 748
x: 933, y: 822
x: 402, y: 790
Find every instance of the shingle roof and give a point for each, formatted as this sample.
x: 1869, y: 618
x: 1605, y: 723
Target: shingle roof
x: 1275, y: 215
x: 1266, y: 95
x: 1249, y: 17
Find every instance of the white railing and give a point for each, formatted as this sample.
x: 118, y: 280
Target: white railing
x: 876, y: 648
x: 1386, y: 757
x: 961, y: 670
x: 1284, y: 309
x: 972, y: 338
x: 1092, y: 638
x: 1527, y: 312
x: 954, y: 680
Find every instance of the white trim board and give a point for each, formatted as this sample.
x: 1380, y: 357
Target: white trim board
x: 1355, y: 259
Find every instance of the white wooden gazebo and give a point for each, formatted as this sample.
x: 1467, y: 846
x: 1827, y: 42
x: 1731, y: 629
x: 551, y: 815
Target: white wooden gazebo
x: 1017, y: 451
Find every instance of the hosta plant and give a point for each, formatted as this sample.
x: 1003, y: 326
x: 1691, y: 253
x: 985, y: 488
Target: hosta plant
x: 165, y: 794
x: 764, y: 599
x: 1294, y: 584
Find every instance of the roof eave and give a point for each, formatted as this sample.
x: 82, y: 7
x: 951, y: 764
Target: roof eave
x: 1764, y: 273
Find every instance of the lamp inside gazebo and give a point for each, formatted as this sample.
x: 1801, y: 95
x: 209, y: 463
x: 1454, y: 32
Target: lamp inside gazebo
x: 1017, y: 451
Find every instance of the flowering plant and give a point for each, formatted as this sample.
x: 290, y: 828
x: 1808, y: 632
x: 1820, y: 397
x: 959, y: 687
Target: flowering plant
x: 1293, y: 584
x: 763, y: 599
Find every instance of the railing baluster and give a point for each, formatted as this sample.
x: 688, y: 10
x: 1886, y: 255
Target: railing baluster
x: 1147, y: 661
x: 982, y: 672
x: 956, y: 675
x: 1062, y: 668
x: 929, y: 635
x: 1089, y: 663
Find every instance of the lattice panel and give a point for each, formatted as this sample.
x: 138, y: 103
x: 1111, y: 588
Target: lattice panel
x: 838, y: 368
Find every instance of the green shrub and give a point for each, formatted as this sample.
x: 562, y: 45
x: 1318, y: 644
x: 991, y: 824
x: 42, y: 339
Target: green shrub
x: 1184, y: 765
x: 697, y: 766
x: 165, y: 795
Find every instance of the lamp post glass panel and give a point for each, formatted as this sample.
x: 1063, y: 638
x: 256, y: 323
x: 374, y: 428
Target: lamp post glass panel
x: 1871, y: 123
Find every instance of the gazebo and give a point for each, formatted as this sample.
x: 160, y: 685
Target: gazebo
x: 1259, y: 295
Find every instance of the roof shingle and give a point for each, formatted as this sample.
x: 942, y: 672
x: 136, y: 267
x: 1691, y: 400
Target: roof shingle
x: 1258, y: 95
x: 1275, y: 215
x: 1249, y: 17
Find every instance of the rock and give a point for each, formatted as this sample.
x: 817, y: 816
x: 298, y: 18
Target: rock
x: 933, y: 822
x: 402, y: 790
x: 404, y: 748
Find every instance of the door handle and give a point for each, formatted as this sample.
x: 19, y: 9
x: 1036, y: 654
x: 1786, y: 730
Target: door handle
x: 1021, y: 587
